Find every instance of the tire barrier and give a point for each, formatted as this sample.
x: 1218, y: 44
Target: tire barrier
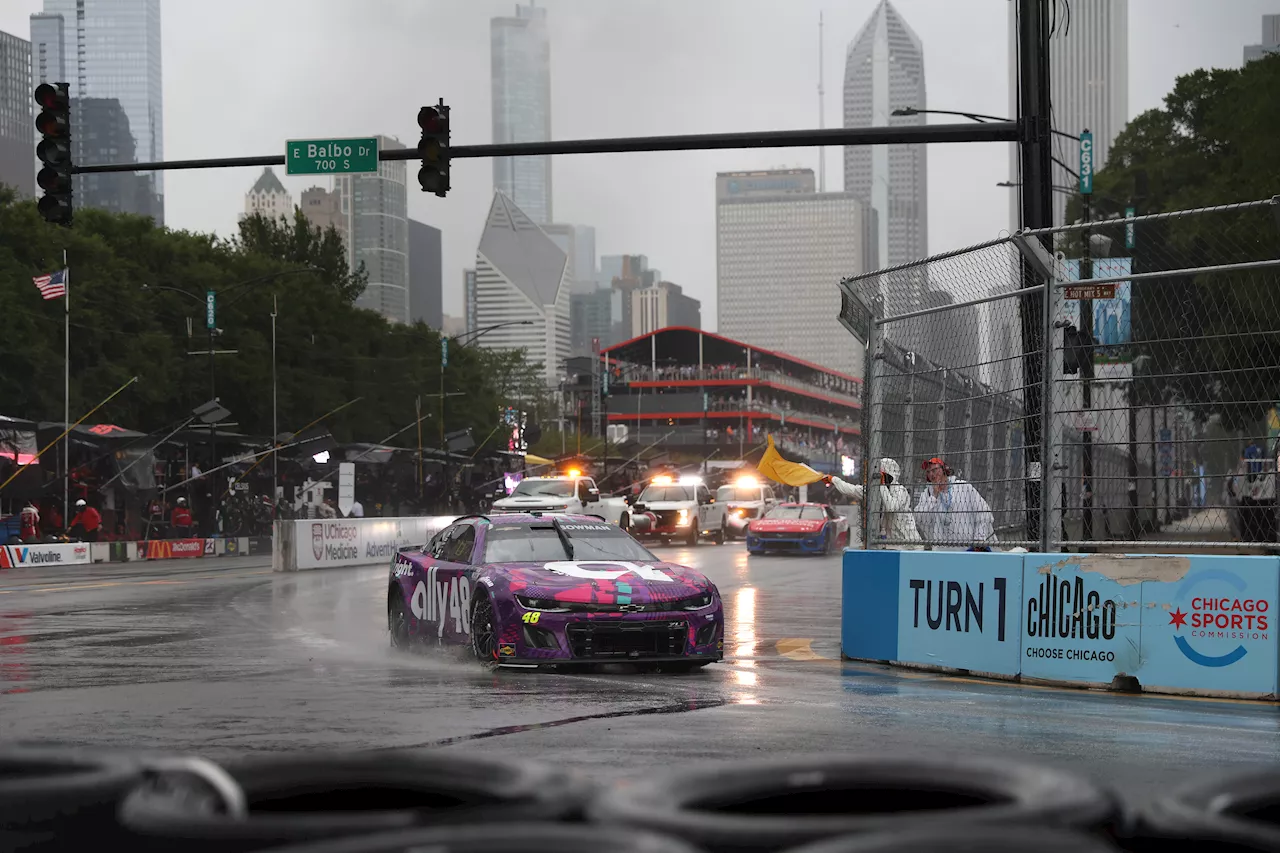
x: 55, y: 798
x: 969, y: 839
x: 1237, y: 812
x: 296, y: 799
x: 522, y: 838
x: 772, y: 805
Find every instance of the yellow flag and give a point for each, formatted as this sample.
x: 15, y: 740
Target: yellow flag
x: 773, y: 466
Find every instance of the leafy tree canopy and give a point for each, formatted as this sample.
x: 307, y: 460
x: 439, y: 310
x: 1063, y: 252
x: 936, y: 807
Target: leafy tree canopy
x: 327, y: 351
x: 1213, y: 340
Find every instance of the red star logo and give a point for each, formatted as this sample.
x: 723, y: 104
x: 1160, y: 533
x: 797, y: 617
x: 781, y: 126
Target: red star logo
x: 1178, y: 619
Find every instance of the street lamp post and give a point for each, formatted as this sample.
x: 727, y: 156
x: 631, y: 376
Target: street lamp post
x: 210, y: 301
x: 462, y: 340
x: 275, y: 420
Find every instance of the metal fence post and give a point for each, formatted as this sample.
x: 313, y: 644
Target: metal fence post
x: 909, y: 414
x: 1053, y: 512
x: 942, y: 415
x: 871, y: 441
x: 970, y: 471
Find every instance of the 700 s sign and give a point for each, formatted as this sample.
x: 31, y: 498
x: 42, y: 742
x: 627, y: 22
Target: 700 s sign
x: 331, y: 156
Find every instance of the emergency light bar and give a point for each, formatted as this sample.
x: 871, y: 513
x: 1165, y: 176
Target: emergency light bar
x: 691, y: 481
x: 746, y: 482
x: 661, y: 480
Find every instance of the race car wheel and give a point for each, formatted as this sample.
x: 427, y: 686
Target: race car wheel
x: 484, y: 631
x: 398, y: 620
x: 828, y: 543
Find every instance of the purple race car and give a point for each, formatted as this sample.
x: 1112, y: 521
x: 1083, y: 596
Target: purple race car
x: 531, y: 590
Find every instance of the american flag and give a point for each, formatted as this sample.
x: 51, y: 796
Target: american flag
x: 52, y: 286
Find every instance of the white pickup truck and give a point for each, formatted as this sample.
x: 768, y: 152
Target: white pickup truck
x: 573, y: 494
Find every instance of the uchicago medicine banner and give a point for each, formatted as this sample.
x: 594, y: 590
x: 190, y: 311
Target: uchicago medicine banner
x: 322, y: 543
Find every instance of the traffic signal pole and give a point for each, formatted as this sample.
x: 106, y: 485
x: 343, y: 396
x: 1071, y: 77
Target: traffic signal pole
x: 1086, y: 332
x: 995, y: 131
x: 1036, y: 152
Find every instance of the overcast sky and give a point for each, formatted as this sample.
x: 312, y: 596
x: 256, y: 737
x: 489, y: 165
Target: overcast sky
x: 242, y: 76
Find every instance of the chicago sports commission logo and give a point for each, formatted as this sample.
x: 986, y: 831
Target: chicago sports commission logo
x: 1217, y: 612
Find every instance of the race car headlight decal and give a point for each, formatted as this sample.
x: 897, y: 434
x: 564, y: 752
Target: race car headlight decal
x: 682, y: 517
x: 698, y: 602
x: 548, y: 605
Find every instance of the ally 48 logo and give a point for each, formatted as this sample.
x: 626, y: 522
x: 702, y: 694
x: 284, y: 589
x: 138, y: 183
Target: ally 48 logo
x: 1216, y: 618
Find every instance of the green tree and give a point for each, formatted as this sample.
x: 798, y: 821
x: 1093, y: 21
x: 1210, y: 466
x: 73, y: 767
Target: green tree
x: 1213, y: 340
x: 328, y: 351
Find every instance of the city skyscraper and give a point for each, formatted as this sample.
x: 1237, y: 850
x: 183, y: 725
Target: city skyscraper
x: 268, y: 197
x: 377, y: 215
x: 520, y: 279
x: 17, y: 142
x: 108, y: 50
x: 781, y: 250
x: 1270, y: 39
x: 108, y: 138
x: 884, y: 71
x: 1088, y: 86
x: 663, y: 305
x: 579, y: 243
x: 426, y: 287
x: 520, y: 60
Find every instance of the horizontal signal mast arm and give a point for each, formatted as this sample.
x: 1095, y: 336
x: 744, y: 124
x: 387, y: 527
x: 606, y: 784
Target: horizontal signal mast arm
x: 1001, y: 131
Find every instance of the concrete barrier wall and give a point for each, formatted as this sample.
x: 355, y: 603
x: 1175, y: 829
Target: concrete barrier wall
x: 58, y: 554
x: 321, y: 543
x: 1201, y: 625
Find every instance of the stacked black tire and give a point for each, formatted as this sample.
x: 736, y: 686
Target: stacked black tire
x: 445, y: 802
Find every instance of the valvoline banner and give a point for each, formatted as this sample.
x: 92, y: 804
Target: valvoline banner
x: 59, y: 554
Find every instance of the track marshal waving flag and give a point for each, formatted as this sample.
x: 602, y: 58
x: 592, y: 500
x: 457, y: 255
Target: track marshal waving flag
x: 773, y: 466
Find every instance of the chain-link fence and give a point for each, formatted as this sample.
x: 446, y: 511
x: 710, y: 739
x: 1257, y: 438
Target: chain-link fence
x: 1157, y: 414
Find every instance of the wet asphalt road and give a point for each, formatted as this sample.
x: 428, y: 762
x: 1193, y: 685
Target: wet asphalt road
x: 221, y: 656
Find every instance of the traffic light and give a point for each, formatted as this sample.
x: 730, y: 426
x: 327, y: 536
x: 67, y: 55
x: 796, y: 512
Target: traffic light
x: 54, y: 151
x: 434, y: 148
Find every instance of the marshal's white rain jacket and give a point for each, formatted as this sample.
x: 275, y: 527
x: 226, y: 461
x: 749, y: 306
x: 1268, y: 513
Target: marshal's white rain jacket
x: 897, y: 523
x: 957, y: 518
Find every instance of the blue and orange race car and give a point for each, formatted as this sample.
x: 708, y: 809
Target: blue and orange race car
x: 798, y: 528
x: 533, y: 590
